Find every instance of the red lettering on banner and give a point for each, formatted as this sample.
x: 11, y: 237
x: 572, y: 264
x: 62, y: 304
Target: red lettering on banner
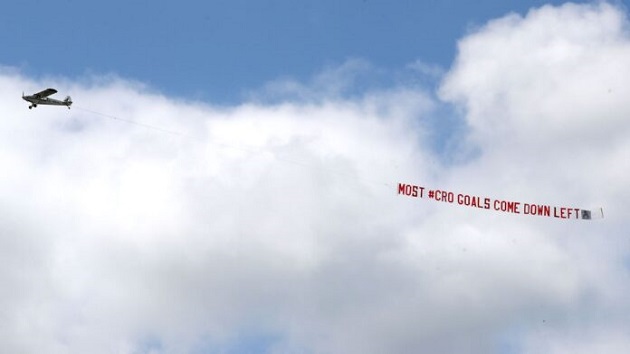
x: 473, y: 201
x: 533, y: 209
x: 566, y: 213
x: 510, y: 207
x: 410, y: 190
x: 516, y: 209
x: 560, y: 215
x: 507, y: 206
x: 444, y: 196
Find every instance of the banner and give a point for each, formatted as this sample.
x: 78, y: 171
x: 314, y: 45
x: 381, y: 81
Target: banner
x: 507, y: 206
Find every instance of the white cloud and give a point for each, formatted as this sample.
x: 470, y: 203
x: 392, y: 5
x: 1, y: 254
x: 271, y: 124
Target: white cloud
x: 228, y: 225
x: 277, y: 226
x: 544, y: 97
x: 331, y: 83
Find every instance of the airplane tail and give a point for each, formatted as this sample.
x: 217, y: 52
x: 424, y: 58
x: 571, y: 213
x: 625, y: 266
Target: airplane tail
x: 68, y: 101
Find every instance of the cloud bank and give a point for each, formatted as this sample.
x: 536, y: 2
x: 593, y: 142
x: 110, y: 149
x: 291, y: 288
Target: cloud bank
x: 182, y: 227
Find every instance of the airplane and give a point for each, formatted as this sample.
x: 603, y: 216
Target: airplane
x: 42, y: 98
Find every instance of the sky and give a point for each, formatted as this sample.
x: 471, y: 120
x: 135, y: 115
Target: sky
x: 218, y: 51
x: 226, y: 180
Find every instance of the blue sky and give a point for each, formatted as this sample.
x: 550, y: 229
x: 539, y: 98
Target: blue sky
x: 218, y: 51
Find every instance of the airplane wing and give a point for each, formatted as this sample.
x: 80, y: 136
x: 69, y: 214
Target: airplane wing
x: 47, y: 92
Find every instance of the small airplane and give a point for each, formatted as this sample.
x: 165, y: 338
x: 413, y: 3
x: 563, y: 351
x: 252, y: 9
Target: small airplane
x: 42, y: 98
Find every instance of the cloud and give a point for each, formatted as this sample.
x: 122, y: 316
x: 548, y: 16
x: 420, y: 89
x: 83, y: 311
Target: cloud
x: 195, y: 235
x: 138, y: 223
x: 543, y: 96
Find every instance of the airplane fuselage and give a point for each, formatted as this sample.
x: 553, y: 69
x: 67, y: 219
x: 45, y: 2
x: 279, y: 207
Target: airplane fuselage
x: 46, y: 101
